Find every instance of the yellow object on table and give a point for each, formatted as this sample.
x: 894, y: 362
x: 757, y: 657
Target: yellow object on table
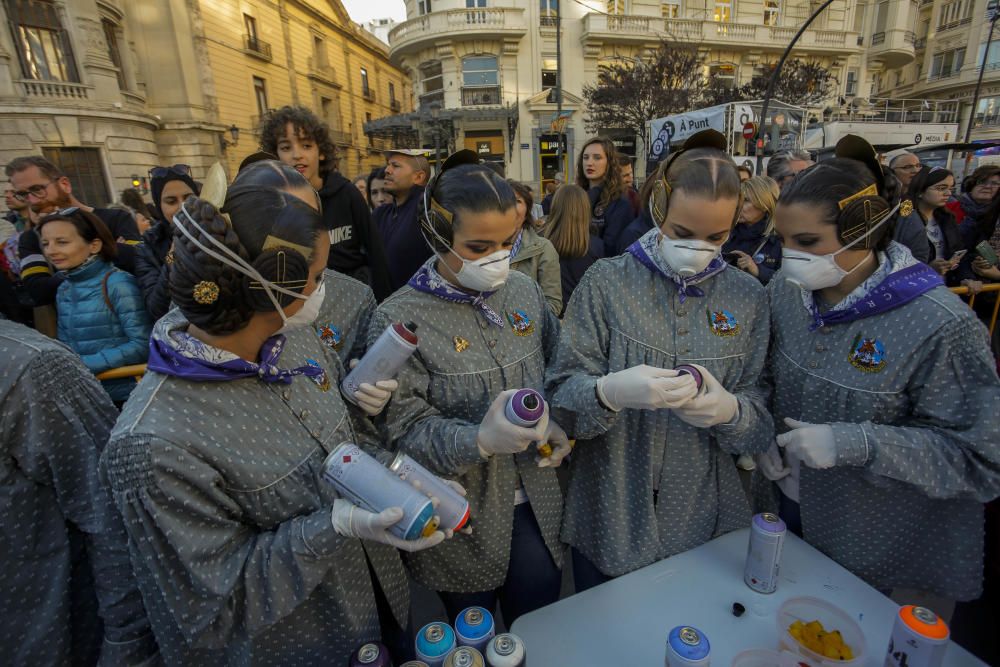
x: 814, y: 637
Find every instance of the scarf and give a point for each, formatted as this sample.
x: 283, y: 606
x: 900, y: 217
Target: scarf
x: 898, y: 280
x: 429, y: 281
x: 971, y: 208
x: 180, y: 354
x: 647, y: 252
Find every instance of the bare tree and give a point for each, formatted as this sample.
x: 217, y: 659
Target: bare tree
x: 629, y: 93
x: 804, y: 84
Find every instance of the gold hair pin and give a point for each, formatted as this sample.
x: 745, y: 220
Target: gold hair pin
x: 441, y: 210
x: 870, y: 191
x: 206, y: 292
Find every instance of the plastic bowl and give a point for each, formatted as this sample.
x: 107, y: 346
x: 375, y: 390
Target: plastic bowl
x: 807, y: 609
x: 765, y: 657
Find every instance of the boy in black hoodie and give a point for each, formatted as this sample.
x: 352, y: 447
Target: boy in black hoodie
x: 301, y: 140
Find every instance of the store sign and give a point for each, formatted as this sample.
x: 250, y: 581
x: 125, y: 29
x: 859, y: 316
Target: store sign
x: 483, y: 148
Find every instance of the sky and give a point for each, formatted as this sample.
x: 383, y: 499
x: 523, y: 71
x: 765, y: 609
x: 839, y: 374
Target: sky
x: 362, y: 11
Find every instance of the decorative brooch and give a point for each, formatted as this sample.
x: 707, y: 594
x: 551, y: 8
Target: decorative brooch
x: 206, y: 292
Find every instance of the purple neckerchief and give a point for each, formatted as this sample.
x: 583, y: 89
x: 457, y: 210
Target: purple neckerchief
x: 429, y: 281
x: 169, y: 360
x: 643, y: 250
x: 897, y: 289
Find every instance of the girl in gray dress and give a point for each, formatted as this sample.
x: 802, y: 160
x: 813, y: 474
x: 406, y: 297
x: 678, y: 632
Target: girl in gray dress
x: 484, y: 331
x: 884, y: 387
x: 653, y: 471
x: 243, y: 553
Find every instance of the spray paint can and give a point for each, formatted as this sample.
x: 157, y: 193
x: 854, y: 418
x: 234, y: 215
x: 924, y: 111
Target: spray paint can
x: 371, y: 486
x: 371, y: 655
x: 453, y: 508
x: 464, y: 656
x: 767, y: 538
x: 687, y: 369
x: 525, y: 408
x: 506, y: 650
x: 919, y: 639
x: 414, y: 663
x: 687, y: 647
x: 434, y: 642
x: 474, y: 627
x: 384, y: 359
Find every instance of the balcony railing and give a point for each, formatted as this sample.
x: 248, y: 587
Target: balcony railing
x: 341, y: 138
x: 54, y: 89
x: 368, y: 94
x: 321, y: 70
x: 954, y: 24
x: 493, y: 20
x: 737, y: 31
x: 433, y: 97
x: 943, y: 75
x: 547, y: 21
x: 395, y: 105
x: 878, y: 38
x: 256, y: 47
x: 682, y: 28
x: 481, y: 96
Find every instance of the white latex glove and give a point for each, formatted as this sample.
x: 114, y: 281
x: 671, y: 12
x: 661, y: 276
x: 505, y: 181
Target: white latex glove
x: 352, y: 521
x: 373, y: 398
x: 645, y: 388
x: 458, y: 488
x: 499, y: 436
x: 712, y: 406
x: 771, y: 465
x: 558, y: 442
x: 813, y: 444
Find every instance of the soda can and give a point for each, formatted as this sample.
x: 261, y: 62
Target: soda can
x: 687, y: 369
x: 453, y: 508
x: 464, y: 656
x: 687, y: 647
x: 371, y: 655
x: 767, y: 538
x: 474, y: 627
x: 506, y: 650
x: 371, y: 486
x: 434, y: 642
x: 919, y: 639
x: 384, y: 359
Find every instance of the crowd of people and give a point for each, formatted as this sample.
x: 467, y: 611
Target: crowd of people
x: 183, y: 520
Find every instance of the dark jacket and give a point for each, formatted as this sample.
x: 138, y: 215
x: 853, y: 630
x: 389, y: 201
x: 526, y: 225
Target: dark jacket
x: 36, y: 274
x: 572, y: 270
x: 910, y: 231
x: 104, y: 337
x: 355, y: 245
x: 611, y: 222
x: 152, y: 270
x: 405, y: 247
x: 765, y: 250
x: 953, y: 242
x: 642, y: 224
x: 547, y: 203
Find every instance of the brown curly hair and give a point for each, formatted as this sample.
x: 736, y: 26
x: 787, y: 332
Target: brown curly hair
x: 307, y: 125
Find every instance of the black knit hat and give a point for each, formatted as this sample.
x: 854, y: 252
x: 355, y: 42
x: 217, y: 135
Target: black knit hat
x: 157, y: 183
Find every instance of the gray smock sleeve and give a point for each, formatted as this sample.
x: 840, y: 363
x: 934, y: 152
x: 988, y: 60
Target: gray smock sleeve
x: 581, y: 358
x: 448, y: 446
x: 221, y: 577
x: 950, y: 447
x: 752, y: 430
x: 61, y: 418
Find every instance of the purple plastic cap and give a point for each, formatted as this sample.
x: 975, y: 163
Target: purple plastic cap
x: 770, y: 523
x: 686, y: 369
x: 528, y: 405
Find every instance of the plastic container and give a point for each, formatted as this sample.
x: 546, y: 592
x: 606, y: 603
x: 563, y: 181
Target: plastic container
x: 807, y: 609
x: 765, y: 657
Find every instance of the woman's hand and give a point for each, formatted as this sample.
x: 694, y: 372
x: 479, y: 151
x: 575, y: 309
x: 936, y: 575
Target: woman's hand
x: 746, y: 263
x: 942, y: 266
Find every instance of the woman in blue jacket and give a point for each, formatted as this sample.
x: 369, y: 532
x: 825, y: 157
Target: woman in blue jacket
x: 598, y: 172
x: 753, y: 246
x: 100, y: 308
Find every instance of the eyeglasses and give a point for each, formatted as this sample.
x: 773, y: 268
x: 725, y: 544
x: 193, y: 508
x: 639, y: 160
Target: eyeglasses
x: 988, y: 185
x: 910, y: 167
x: 943, y: 189
x: 37, y: 191
x: 69, y: 212
x: 177, y: 169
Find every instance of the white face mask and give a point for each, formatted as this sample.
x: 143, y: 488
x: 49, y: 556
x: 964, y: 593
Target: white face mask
x: 816, y: 272
x: 308, y: 313
x: 230, y: 258
x: 486, y: 273
x: 687, y: 257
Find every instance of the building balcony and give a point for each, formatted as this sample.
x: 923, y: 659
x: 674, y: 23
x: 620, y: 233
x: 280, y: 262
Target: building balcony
x: 395, y: 105
x: 477, y: 96
x: 341, y: 138
x: 894, y: 48
x: 54, y: 90
x: 368, y: 94
x: 256, y: 47
x: 601, y: 28
x: 945, y: 27
x: 427, y: 100
x: 322, y: 72
x: 457, y: 25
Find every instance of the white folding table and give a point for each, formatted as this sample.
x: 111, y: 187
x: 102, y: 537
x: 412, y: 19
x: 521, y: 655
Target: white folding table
x: 624, y: 623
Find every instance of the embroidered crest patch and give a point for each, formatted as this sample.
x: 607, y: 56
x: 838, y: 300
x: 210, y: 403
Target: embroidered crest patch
x: 867, y: 354
x: 722, y: 322
x: 520, y: 322
x: 330, y: 335
x: 323, y: 380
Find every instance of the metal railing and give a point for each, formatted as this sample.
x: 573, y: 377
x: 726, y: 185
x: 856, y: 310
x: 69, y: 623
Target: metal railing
x: 992, y: 287
x: 547, y: 21
x: 886, y: 110
x: 878, y: 38
x: 368, y: 94
x: 954, y: 24
x: 479, y: 96
x: 395, y: 105
x: 944, y: 75
x: 257, y: 46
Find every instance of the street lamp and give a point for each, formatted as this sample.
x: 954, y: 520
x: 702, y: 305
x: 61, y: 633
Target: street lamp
x: 234, y: 132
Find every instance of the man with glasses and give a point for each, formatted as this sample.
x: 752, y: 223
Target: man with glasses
x: 904, y: 165
x: 44, y: 188
x: 783, y: 166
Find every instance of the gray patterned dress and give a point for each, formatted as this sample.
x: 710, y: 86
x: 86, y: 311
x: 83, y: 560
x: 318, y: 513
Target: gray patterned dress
x: 62, y: 540
x: 622, y: 315
x: 229, y: 519
x: 463, y: 361
x: 913, y: 398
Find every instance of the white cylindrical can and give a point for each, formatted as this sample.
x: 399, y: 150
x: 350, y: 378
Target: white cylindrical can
x: 384, y: 359
x: 919, y: 639
x: 452, y: 509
